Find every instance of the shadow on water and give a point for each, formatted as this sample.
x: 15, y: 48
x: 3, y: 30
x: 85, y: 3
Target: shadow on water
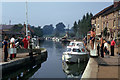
x: 25, y: 72
x: 74, y: 70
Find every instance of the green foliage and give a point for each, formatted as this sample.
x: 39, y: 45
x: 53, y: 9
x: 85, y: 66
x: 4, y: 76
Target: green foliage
x: 105, y: 32
x: 48, y: 29
x: 75, y: 27
x: 83, y: 26
x: 57, y: 34
x: 17, y: 27
x: 71, y: 35
x: 60, y: 27
x: 37, y: 31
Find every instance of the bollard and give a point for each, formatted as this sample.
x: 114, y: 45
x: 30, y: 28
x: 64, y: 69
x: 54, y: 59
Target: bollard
x: 31, y: 51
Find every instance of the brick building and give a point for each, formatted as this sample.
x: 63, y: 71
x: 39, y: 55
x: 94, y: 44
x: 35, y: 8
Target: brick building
x: 9, y: 30
x: 110, y: 18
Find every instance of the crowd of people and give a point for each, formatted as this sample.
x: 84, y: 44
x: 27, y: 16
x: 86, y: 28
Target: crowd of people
x: 13, y: 43
x: 102, y: 46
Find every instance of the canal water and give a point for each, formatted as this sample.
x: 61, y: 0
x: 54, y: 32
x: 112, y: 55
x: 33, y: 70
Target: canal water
x: 53, y: 67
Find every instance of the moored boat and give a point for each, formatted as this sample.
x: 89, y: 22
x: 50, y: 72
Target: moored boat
x: 75, y: 54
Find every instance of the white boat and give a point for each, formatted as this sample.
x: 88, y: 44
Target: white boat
x: 76, y: 43
x: 75, y: 54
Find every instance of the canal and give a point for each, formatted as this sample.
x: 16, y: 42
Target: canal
x: 52, y: 67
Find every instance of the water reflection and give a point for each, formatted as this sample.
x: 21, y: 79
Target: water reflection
x: 52, y: 68
x: 25, y: 72
x: 73, y: 70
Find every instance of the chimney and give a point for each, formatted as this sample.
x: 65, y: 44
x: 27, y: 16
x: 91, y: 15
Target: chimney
x: 116, y: 3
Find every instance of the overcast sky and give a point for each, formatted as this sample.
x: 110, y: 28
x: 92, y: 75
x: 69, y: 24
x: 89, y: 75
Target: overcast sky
x: 44, y: 13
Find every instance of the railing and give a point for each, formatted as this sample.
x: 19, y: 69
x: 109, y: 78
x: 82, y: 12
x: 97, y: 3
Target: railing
x: 19, y: 51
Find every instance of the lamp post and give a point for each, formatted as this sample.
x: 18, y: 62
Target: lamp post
x: 26, y: 19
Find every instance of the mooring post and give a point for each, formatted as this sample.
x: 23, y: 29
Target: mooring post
x: 31, y: 51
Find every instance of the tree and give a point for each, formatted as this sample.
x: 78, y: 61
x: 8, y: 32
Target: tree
x: 83, y: 26
x: 75, y: 27
x: 48, y: 29
x: 37, y: 31
x: 17, y: 27
x: 60, y: 27
x: 105, y: 31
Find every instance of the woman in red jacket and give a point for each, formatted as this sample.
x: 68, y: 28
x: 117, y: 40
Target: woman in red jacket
x: 112, y: 47
x: 25, y: 41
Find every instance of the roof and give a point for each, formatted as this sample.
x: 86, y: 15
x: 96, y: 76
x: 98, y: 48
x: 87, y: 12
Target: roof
x: 6, y: 27
x: 103, y: 11
x: 112, y: 10
x: 107, y: 10
x: 11, y: 32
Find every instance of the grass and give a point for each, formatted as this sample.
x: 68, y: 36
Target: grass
x: 42, y: 49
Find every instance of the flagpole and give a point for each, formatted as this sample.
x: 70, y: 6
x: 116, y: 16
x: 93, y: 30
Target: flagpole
x: 26, y: 19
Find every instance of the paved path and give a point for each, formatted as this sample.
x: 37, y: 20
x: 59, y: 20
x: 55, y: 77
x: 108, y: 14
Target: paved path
x: 108, y: 67
x: 18, y: 56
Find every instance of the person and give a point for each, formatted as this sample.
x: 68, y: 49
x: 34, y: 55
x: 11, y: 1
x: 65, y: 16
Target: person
x: 85, y: 41
x: 106, y: 48
x: 92, y: 37
x: 118, y: 46
x: 25, y: 41
x: 19, y: 42
x: 5, y: 48
x: 12, y: 45
x: 112, y: 47
x: 101, y: 46
x: 98, y: 49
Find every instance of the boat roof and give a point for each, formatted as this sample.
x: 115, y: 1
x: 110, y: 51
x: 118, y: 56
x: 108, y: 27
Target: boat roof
x: 76, y: 42
x: 77, y: 47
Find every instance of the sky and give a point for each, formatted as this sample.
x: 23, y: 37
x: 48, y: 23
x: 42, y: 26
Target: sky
x: 45, y: 13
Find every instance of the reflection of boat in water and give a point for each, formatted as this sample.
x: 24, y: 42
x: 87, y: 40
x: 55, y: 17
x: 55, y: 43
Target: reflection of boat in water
x: 75, y: 54
x: 73, y: 70
x: 64, y: 40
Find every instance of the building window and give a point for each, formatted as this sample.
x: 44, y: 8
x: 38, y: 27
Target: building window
x: 114, y: 23
x: 119, y: 22
x: 98, y: 20
x: 104, y: 17
x: 107, y: 17
x: 95, y: 21
x: 119, y: 12
x: 107, y: 24
x: 103, y: 24
x: 114, y: 14
x: 98, y: 26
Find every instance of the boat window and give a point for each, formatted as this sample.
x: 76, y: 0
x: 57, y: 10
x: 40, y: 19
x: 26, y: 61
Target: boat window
x: 72, y: 44
x: 79, y: 44
x: 76, y: 50
x: 68, y: 49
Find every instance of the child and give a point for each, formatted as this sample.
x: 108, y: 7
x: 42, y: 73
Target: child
x: 106, y: 48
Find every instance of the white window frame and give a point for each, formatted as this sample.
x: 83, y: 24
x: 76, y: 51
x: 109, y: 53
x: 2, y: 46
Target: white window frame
x: 103, y: 24
x: 97, y: 26
x: 119, y: 22
x: 107, y: 24
x: 119, y: 12
x: 114, y: 23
